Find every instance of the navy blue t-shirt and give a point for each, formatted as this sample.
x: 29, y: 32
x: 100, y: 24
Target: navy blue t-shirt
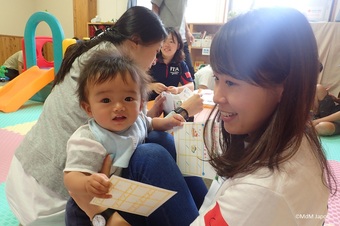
x: 170, y: 74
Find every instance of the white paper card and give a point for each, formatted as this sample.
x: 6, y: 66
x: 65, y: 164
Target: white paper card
x: 192, y: 156
x: 134, y: 197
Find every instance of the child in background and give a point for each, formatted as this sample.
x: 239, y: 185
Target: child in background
x: 14, y: 65
x: 111, y: 90
x: 170, y: 69
x: 204, y: 78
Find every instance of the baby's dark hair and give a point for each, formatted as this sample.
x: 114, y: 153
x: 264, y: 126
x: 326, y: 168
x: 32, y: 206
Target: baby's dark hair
x: 105, y: 65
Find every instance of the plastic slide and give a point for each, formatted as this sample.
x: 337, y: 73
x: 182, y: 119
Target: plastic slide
x: 15, y: 93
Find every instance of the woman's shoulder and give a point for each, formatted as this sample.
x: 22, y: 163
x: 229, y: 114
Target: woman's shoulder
x: 301, y: 169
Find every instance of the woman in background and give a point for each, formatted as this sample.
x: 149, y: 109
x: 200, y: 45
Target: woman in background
x: 170, y: 69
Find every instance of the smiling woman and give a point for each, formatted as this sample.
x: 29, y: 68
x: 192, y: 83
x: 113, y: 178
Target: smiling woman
x: 265, y: 88
x: 170, y: 73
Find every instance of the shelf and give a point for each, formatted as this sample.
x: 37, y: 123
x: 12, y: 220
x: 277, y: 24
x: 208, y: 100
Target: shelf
x: 196, y: 51
x: 93, y: 27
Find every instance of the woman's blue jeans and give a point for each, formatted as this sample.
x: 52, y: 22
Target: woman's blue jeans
x: 154, y: 163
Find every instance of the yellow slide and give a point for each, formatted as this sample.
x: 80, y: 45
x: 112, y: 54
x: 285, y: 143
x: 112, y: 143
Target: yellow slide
x: 15, y: 93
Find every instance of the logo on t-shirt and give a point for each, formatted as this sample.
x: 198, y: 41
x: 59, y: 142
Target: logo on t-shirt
x: 174, y: 70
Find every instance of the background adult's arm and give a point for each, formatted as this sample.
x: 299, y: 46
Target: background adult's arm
x: 330, y: 118
x: 155, y: 8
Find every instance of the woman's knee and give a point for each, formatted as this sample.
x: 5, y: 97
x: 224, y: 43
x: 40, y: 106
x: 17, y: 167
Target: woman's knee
x: 321, y: 92
x: 325, y: 128
x: 149, y: 156
x: 164, y: 139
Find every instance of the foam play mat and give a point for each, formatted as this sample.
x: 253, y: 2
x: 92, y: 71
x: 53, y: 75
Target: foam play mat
x: 14, y: 126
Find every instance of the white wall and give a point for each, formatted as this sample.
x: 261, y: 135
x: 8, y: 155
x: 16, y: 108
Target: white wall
x: 111, y: 9
x: 62, y: 10
x: 15, y: 14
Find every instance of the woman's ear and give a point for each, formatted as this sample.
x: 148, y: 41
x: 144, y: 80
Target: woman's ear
x: 87, y: 108
x: 279, y: 90
x: 135, y: 39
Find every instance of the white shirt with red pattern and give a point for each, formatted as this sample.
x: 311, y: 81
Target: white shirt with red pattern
x: 293, y: 195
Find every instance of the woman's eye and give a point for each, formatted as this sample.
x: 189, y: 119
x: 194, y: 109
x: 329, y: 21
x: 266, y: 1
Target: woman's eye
x: 215, y: 77
x: 105, y: 100
x: 129, y: 99
x: 229, y: 83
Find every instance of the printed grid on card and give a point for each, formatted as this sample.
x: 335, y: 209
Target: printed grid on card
x: 192, y: 155
x: 134, y: 197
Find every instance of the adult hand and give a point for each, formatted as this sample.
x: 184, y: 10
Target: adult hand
x: 158, y: 87
x: 193, y: 105
x: 157, y: 107
x: 190, y: 38
x: 335, y: 99
x: 173, y: 89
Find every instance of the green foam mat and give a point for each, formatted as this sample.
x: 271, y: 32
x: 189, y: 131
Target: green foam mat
x: 331, y: 146
x: 6, y: 216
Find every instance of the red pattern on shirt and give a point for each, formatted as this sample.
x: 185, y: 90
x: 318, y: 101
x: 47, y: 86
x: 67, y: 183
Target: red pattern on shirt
x: 214, y: 217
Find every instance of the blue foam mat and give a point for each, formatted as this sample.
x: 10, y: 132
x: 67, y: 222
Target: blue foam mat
x: 29, y: 112
x: 331, y: 146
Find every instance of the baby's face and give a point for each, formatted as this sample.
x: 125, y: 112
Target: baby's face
x: 114, y: 104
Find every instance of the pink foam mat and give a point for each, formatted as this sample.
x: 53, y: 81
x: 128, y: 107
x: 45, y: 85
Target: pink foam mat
x: 9, y: 141
x: 333, y: 216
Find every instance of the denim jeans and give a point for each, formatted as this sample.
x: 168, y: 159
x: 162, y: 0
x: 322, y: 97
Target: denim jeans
x: 155, y: 164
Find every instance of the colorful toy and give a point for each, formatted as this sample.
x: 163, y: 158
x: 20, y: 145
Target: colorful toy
x: 41, y: 62
x: 35, y: 83
x: 3, y: 77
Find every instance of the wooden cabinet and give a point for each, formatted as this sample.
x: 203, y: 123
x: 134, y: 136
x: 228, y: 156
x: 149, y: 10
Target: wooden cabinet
x: 93, y: 27
x: 83, y: 12
x: 200, y: 49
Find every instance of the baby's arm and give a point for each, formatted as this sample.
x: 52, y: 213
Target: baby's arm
x: 84, y: 200
x: 95, y: 185
x: 167, y: 123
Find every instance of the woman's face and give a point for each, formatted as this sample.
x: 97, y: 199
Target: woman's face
x: 145, y: 55
x: 170, y: 47
x: 244, y: 107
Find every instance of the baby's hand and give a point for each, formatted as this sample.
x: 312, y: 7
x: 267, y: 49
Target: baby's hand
x: 98, y: 185
x: 175, y: 120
